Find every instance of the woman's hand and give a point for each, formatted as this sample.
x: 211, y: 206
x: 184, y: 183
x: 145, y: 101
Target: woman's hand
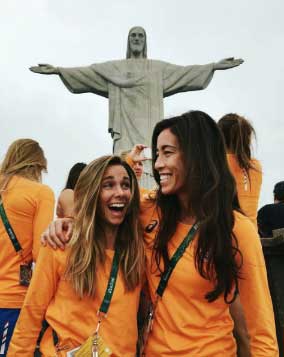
x: 136, y: 154
x: 58, y: 233
x: 240, y: 329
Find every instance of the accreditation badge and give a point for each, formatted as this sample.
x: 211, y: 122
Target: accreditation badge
x: 25, y: 274
x: 87, y: 349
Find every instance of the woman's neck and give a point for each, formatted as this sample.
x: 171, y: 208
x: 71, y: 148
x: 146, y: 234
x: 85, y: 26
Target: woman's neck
x: 30, y: 177
x: 187, y: 219
x: 186, y: 216
x: 110, y: 233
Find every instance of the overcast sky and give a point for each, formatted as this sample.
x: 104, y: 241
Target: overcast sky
x: 73, y: 128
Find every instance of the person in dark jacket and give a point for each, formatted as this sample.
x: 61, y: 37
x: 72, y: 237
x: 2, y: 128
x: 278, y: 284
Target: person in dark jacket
x: 271, y: 216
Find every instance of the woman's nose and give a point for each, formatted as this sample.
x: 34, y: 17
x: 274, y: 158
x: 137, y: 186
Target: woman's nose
x: 159, y: 163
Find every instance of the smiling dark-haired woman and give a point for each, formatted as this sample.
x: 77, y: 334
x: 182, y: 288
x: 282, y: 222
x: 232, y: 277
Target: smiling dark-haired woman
x: 199, y: 245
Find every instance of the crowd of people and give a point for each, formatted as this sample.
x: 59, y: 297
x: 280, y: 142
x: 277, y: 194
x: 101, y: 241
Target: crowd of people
x: 177, y: 270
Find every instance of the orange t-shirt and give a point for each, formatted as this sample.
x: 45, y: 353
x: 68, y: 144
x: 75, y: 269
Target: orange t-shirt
x: 29, y: 207
x: 248, y: 189
x: 74, y: 319
x: 185, y: 323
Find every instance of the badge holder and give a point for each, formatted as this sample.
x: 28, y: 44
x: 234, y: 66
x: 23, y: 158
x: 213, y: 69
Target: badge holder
x: 25, y: 273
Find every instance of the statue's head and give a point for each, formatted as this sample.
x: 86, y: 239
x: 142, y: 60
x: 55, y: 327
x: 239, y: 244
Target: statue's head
x: 137, y: 43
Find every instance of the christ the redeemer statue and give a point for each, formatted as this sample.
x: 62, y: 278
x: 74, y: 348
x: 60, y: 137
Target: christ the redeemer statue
x: 135, y: 87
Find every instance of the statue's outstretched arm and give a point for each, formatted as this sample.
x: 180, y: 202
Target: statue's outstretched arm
x: 44, y: 68
x: 228, y: 63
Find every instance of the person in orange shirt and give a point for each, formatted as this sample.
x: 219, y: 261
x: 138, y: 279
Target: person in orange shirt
x: 94, y: 284
x: 65, y: 202
x: 26, y: 209
x: 137, y: 165
x: 238, y: 132
x: 196, y: 199
x: 198, y: 260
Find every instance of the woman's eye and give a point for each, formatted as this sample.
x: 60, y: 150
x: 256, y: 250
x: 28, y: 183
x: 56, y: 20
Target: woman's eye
x: 126, y: 186
x: 107, y: 185
x: 167, y: 153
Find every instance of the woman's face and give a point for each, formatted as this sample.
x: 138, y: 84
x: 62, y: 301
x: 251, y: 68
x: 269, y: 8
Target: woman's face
x: 114, y: 195
x: 170, y: 163
x: 138, y: 169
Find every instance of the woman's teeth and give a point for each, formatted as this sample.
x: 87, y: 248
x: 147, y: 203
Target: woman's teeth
x: 164, y: 177
x: 117, y: 206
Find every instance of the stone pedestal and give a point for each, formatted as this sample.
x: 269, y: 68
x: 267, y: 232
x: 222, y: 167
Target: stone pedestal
x: 273, y: 249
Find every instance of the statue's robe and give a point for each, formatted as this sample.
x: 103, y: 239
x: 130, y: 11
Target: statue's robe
x: 135, y: 88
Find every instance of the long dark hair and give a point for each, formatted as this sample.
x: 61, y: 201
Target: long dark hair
x: 74, y: 174
x: 211, y: 198
x: 238, y: 132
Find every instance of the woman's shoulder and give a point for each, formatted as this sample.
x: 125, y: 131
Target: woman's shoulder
x: 66, y: 196
x: 57, y: 258
x: 256, y: 164
x: 44, y: 193
x: 67, y: 192
x: 34, y: 188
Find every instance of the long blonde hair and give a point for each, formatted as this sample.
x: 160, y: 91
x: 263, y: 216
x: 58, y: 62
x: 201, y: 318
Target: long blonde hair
x: 87, y: 245
x: 24, y: 158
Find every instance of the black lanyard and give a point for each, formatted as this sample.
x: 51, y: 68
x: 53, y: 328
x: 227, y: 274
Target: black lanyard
x: 9, y: 229
x: 164, y: 281
x: 175, y: 258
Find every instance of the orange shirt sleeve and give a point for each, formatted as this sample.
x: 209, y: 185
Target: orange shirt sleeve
x: 254, y: 291
x: 43, y: 216
x: 41, y: 291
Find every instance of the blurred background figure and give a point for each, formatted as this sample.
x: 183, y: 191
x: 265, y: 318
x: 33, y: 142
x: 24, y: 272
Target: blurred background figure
x: 238, y: 133
x: 138, y: 169
x: 65, y: 203
x: 271, y: 216
x: 137, y: 166
x: 136, y: 158
x: 26, y: 208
